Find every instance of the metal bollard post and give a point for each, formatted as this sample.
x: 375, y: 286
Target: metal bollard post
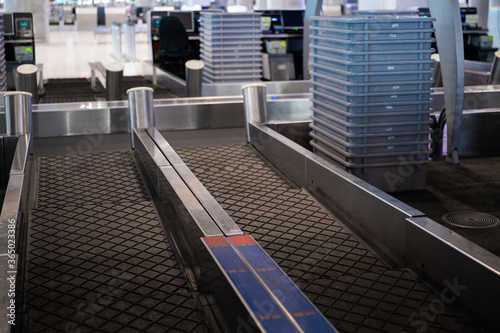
x: 114, y: 81
x: 18, y: 113
x: 255, y: 104
x: 194, y: 77
x: 495, y: 70
x: 436, y: 74
x: 140, y: 105
x: 27, y: 80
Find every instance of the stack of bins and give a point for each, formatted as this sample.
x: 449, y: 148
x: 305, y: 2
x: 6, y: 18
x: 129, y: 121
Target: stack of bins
x: 3, y: 66
x: 371, y: 80
x: 231, y: 47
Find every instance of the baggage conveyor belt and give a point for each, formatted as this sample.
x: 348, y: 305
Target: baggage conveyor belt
x: 97, y: 258
x: 353, y: 287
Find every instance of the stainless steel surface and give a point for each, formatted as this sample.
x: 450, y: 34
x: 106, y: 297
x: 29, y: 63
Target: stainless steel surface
x: 114, y: 82
x: 26, y: 79
x: 468, y: 274
x: 155, y: 74
x: 475, y: 97
x: 273, y: 88
x: 149, y: 146
x: 194, y: 78
x: 197, y: 213
x: 254, y: 104
x: 141, y: 112
x: 21, y: 155
x: 10, y: 210
x: 284, y: 154
x: 495, y: 70
x: 437, y: 78
x: 18, y: 117
x: 313, y: 8
x: 449, y: 37
x: 219, y: 215
x: 166, y: 183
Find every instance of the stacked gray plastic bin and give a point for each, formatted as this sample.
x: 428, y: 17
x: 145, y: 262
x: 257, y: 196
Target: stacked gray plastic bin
x: 231, y: 47
x: 371, y: 81
x: 3, y: 66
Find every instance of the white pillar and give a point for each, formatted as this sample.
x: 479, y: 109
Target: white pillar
x: 41, y: 12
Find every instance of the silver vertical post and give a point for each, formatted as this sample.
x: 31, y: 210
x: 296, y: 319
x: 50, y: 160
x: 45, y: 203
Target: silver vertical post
x: 495, y: 70
x: 255, y: 104
x: 194, y: 77
x: 27, y: 80
x: 140, y: 104
x: 18, y: 113
x: 436, y: 74
x: 114, y: 81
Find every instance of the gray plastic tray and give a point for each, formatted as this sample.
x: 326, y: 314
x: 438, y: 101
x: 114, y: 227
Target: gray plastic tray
x: 369, y: 128
x: 371, y: 107
x: 244, y: 33
x: 372, y: 55
x: 370, y: 87
x: 230, y: 72
x: 386, y: 177
x: 367, y: 160
x: 396, y: 45
x: 231, y: 50
x: 215, y: 39
x: 402, y: 96
x: 378, y: 66
x: 393, y: 76
x: 371, y: 35
x: 369, y: 118
x: 347, y: 137
x: 372, y: 148
x: 374, y: 23
x: 232, y: 76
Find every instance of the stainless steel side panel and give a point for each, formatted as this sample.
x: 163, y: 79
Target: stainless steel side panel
x: 468, y: 274
x: 221, y: 218
x: 21, y: 155
x: 284, y: 154
x: 10, y: 210
x: 376, y: 216
x: 373, y: 214
x: 174, y: 190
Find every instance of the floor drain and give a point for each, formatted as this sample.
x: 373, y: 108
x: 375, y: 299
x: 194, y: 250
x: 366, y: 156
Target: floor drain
x: 471, y: 220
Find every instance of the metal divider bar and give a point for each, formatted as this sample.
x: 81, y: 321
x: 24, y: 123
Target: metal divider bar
x: 221, y: 218
x: 258, y: 285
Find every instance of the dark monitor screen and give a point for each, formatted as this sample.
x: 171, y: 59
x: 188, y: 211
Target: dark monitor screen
x: 292, y: 19
x: 8, y: 24
x: 186, y: 18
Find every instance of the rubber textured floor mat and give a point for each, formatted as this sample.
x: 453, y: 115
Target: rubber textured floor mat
x: 98, y: 260
x: 351, y: 285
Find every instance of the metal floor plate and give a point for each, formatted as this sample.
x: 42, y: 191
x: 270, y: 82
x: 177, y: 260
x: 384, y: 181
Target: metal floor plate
x: 350, y: 284
x: 97, y: 258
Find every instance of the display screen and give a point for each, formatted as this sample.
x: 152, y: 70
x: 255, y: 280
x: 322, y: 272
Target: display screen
x: 8, y: 26
x: 23, y: 53
x: 292, y: 19
x: 23, y: 27
x: 186, y: 18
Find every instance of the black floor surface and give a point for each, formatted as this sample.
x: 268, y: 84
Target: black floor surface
x: 473, y: 185
x: 80, y: 90
x: 97, y: 256
x: 349, y: 283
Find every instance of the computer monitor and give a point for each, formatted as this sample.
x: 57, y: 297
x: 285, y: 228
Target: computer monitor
x: 187, y: 18
x: 292, y: 19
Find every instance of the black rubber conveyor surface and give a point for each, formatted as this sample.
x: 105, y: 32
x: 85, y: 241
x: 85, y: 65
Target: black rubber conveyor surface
x: 97, y: 258
x: 351, y: 285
